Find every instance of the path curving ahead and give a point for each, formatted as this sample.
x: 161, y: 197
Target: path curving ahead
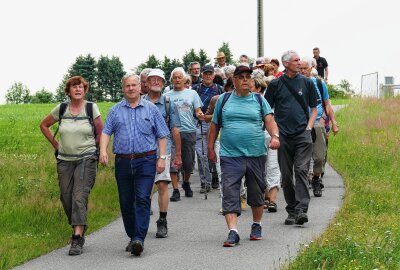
x: 196, y: 234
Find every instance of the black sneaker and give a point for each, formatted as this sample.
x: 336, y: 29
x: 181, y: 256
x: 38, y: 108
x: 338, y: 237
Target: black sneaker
x: 162, y: 229
x: 187, y: 189
x: 137, y: 247
x: 129, y: 246
x: 301, y: 218
x: 316, y: 185
x: 77, y: 242
x: 215, y: 182
x: 233, y: 239
x: 290, y: 219
x: 255, y: 232
x: 176, y: 196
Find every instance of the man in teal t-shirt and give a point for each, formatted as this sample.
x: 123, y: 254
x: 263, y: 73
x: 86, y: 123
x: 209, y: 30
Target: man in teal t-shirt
x: 243, y: 150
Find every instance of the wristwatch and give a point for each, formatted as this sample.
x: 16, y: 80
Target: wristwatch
x: 163, y: 157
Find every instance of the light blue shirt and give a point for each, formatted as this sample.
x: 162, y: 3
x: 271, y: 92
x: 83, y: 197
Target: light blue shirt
x: 136, y: 130
x: 242, y: 133
x: 319, y: 99
x: 174, y: 121
x: 186, y: 101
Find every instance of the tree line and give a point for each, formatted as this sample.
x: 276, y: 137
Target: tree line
x: 104, y: 76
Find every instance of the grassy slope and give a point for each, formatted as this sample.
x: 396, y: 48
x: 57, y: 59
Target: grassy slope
x: 31, y: 217
x: 365, y: 234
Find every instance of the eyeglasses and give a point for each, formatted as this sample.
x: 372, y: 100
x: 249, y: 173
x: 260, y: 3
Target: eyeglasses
x: 242, y: 77
x: 155, y: 79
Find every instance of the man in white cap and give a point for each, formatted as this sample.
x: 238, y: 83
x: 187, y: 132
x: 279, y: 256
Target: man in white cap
x: 155, y: 83
x: 221, y: 60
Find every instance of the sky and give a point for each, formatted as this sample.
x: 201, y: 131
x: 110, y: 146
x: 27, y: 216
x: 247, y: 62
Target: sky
x: 41, y: 39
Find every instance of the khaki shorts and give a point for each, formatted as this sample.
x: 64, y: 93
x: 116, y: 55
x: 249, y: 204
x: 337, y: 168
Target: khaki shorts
x: 165, y: 175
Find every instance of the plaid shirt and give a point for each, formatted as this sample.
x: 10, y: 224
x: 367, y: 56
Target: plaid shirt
x: 135, y: 130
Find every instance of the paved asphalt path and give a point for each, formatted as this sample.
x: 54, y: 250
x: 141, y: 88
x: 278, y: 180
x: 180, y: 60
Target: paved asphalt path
x: 196, y: 234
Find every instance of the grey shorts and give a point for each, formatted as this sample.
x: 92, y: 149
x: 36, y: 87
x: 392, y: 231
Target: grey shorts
x: 232, y: 171
x: 188, y: 142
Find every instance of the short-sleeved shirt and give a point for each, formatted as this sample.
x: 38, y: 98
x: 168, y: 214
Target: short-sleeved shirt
x: 186, y: 101
x: 174, y: 121
x: 242, y: 134
x: 288, y: 113
x: 136, y: 130
x: 321, y: 65
x: 319, y: 98
x: 206, y: 93
x: 76, y: 136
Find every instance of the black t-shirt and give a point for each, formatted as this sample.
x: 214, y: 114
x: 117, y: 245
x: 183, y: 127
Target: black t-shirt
x: 321, y: 65
x: 288, y: 113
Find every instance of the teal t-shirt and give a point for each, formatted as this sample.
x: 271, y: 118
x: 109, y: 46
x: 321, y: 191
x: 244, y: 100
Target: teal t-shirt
x: 186, y: 101
x: 241, y: 132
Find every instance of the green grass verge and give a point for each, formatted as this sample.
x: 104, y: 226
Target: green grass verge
x: 335, y: 101
x: 365, y: 233
x: 31, y: 217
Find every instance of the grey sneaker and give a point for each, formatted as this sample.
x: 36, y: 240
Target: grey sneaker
x: 76, y: 248
x: 162, y: 229
x: 290, y: 219
x: 301, y: 218
x: 316, y: 185
x: 255, y: 232
x: 204, y: 187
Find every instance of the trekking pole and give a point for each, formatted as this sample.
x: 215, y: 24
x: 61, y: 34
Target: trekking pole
x: 202, y: 156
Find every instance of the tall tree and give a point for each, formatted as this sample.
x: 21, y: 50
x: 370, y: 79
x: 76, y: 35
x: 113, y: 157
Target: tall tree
x: 18, y: 93
x: 168, y: 65
x: 151, y: 62
x: 85, y: 66
x: 109, y: 74
x: 227, y: 51
x: 60, y: 95
x: 203, y: 58
x: 189, y: 57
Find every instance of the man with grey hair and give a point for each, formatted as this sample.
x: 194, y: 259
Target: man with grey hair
x: 143, y: 81
x: 291, y: 95
x: 324, y: 109
x: 188, y: 103
x: 194, y: 72
x: 139, y: 130
x: 229, y: 70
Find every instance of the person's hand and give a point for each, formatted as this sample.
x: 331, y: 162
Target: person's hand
x: 160, y: 165
x: 211, y: 155
x: 103, y: 157
x: 274, y: 143
x: 335, y: 128
x: 177, y: 162
x: 200, y: 116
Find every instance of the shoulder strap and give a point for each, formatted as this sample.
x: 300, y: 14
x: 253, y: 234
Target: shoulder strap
x: 219, y: 88
x: 259, y: 99
x: 321, y: 91
x: 224, y: 100
x: 167, y: 104
x: 89, y: 113
x: 296, y: 96
x: 63, y: 108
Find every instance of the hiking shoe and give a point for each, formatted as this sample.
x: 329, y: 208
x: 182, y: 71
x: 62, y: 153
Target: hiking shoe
x: 232, y: 240
x: 316, y: 185
x: 215, y: 182
x: 290, y: 219
x: 77, y: 242
x: 129, y: 246
x: 301, y: 218
x: 162, y: 230
x: 255, y: 232
x: 272, y: 207
x: 204, y: 187
x: 176, y: 196
x: 137, y: 247
x: 187, y: 189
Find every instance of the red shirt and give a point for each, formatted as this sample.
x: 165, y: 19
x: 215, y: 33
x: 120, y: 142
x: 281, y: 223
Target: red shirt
x: 278, y: 74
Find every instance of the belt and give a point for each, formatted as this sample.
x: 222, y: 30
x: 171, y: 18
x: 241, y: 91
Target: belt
x: 136, y: 155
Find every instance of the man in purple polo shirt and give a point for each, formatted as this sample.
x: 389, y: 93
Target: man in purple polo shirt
x: 138, y: 127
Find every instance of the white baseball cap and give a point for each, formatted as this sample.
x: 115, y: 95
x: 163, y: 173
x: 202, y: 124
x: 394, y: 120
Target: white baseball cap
x: 157, y: 72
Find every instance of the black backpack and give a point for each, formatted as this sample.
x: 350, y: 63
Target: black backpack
x: 167, y: 104
x: 89, y: 116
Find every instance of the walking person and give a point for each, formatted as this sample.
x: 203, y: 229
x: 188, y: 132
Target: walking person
x: 155, y: 83
x: 139, y: 129
x: 242, y: 153
x: 80, y: 127
x: 291, y: 95
x: 188, y: 103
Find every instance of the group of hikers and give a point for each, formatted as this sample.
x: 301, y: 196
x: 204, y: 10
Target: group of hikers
x: 253, y: 128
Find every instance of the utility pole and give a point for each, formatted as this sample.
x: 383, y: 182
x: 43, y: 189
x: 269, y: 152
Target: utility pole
x: 260, y: 29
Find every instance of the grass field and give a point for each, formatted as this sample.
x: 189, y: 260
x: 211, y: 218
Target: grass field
x: 31, y: 217
x: 366, y: 233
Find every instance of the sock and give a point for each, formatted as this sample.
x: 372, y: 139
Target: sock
x: 259, y: 223
x: 235, y: 230
x: 163, y: 214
